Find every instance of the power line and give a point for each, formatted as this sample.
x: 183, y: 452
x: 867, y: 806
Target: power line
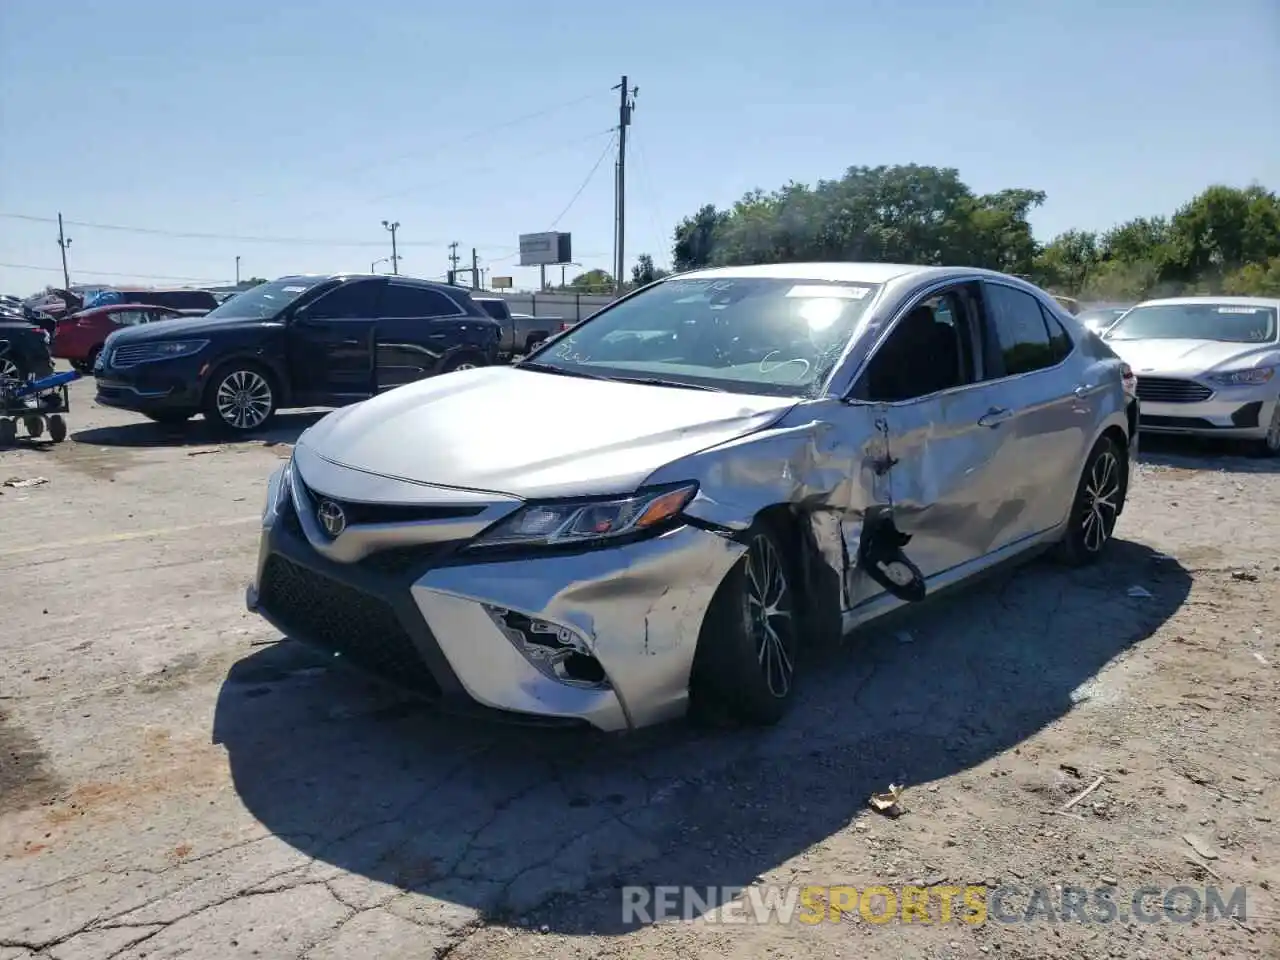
x: 655, y: 213
x: 585, y: 183
x: 187, y: 235
x: 106, y: 273
x: 465, y: 138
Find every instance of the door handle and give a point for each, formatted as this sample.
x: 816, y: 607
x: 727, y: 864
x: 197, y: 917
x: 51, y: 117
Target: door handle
x: 351, y: 343
x: 1082, y: 391
x: 994, y: 417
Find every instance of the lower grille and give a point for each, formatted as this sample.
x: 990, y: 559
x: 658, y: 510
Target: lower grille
x: 1171, y: 390
x: 344, y: 620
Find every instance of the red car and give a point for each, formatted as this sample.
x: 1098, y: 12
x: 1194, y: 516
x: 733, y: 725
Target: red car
x: 79, y: 337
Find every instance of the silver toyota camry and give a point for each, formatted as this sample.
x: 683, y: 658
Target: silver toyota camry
x: 667, y: 504
x: 1207, y: 366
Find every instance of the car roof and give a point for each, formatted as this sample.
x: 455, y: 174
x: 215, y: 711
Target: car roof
x: 416, y: 281
x: 1271, y: 302
x: 837, y: 272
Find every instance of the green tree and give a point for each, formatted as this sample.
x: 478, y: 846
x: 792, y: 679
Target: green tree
x: 593, y: 281
x: 645, y: 272
x: 695, y: 238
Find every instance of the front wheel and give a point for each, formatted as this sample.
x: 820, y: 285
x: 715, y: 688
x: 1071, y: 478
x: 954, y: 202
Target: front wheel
x: 1269, y: 446
x: 240, y: 398
x: 1099, y: 499
x: 745, y: 666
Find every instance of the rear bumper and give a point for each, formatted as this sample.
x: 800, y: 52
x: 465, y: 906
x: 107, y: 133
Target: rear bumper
x: 434, y: 621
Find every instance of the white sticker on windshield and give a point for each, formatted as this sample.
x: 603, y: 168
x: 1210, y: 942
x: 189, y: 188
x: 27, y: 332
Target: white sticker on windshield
x: 1239, y: 309
x: 294, y: 289
x: 828, y: 291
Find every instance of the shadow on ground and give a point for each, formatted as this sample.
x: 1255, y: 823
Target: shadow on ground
x: 1203, y: 453
x: 509, y: 821
x: 285, y: 428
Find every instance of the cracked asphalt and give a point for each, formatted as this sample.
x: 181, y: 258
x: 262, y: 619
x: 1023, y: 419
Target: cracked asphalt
x: 177, y: 781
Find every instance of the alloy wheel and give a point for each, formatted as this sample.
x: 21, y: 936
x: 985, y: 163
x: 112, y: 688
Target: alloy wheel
x: 9, y: 370
x: 244, y: 399
x: 1101, y: 501
x: 465, y: 365
x: 769, y: 615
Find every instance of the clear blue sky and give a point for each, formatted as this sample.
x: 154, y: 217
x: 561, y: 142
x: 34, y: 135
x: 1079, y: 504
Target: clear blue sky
x: 318, y: 120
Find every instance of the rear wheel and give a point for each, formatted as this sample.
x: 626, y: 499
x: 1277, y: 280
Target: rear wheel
x: 1099, y: 498
x: 91, y: 359
x: 240, y: 398
x: 745, y: 665
x: 57, y: 428
x: 465, y: 362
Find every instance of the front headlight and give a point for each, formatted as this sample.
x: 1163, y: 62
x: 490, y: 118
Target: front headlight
x: 170, y: 349
x: 585, y: 521
x: 1239, y: 377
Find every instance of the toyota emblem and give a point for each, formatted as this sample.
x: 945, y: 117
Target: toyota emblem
x: 331, y: 518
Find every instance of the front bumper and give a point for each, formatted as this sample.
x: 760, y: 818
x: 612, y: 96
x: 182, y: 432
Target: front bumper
x: 1238, y: 412
x: 429, y: 618
x: 152, y: 387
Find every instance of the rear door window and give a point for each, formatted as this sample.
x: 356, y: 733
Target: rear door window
x: 403, y: 301
x: 1021, y: 336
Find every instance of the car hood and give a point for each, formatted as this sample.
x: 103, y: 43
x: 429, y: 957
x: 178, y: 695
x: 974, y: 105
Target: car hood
x: 533, y: 435
x: 1189, y: 356
x: 182, y: 328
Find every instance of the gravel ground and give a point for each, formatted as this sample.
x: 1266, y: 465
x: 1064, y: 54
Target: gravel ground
x: 176, y: 782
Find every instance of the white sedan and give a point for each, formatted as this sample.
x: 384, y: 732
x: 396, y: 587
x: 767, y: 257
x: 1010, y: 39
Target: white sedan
x: 1206, y: 366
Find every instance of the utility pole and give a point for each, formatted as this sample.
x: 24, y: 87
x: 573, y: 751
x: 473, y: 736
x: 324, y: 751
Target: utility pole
x: 475, y: 270
x: 395, y: 257
x: 626, y: 106
x: 237, y: 270
x: 64, y: 241
x: 453, y: 261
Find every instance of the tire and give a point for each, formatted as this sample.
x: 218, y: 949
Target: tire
x: 57, y: 428
x: 466, y: 361
x: 1099, y: 498
x: 11, y: 370
x: 91, y: 359
x: 170, y: 418
x: 8, y: 433
x: 240, y: 398
x: 745, y: 665
x: 1269, y: 446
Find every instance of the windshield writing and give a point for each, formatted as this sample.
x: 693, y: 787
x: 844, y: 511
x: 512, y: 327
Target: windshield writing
x: 749, y: 335
x: 1223, y: 322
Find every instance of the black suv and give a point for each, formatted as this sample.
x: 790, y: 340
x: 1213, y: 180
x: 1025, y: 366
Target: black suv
x: 24, y: 349
x: 296, y: 342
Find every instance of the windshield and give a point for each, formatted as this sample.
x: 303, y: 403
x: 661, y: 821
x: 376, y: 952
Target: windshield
x: 1102, y: 317
x: 1223, y: 322
x: 746, y: 335
x: 263, y: 301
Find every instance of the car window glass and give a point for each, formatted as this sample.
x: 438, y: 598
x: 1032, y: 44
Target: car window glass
x: 1059, y: 339
x: 402, y: 300
x: 1020, y: 332
x: 348, y: 302
x: 927, y: 351
x: 129, y: 318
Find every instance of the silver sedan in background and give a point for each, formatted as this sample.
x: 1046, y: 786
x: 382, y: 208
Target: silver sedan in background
x: 1206, y: 366
x: 741, y: 462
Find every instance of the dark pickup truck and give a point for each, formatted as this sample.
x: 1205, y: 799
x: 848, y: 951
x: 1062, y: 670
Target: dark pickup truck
x: 520, y: 332
x: 311, y: 341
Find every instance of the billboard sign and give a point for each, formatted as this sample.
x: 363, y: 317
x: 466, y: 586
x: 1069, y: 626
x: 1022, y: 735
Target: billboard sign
x: 545, y: 249
x: 502, y: 283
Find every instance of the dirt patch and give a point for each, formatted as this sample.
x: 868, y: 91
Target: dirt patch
x: 25, y: 777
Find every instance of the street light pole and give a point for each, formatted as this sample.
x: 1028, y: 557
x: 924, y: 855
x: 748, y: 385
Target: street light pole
x: 395, y: 257
x: 237, y: 270
x: 373, y: 267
